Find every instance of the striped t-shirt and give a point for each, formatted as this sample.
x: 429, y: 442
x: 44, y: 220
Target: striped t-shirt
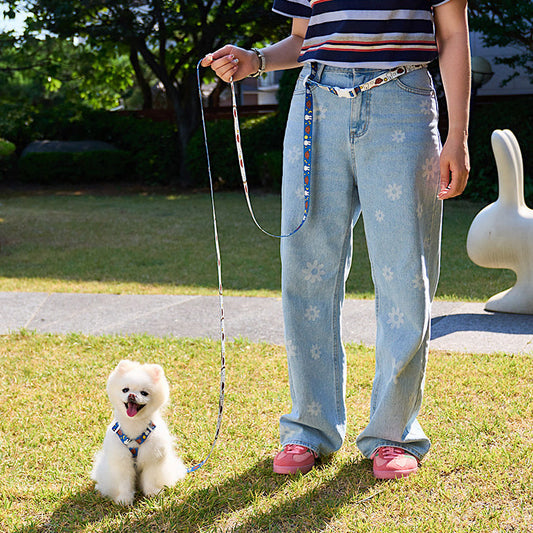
x: 365, y: 33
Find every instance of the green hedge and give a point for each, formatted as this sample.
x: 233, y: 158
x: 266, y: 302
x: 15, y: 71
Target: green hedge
x: 7, y: 159
x: 153, y: 156
x: 151, y: 145
x: 262, y: 140
x: 515, y: 115
x: 6, y: 148
x: 51, y: 168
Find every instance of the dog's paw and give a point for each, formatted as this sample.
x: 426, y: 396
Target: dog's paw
x: 151, y: 490
x: 125, y: 498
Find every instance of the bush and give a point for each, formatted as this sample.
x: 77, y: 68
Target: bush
x: 49, y: 168
x: 262, y: 141
x: 506, y: 114
x: 7, y: 159
x: 6, y: 148
x: 152, y: 145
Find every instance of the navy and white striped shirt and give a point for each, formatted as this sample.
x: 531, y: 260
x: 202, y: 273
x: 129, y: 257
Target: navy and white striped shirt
x: 365, y: 33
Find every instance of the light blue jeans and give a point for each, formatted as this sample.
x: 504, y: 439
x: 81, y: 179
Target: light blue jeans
x: 375, y: 155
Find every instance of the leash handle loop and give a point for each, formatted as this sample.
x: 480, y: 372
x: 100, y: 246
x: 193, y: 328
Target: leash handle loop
x: 307, y: 163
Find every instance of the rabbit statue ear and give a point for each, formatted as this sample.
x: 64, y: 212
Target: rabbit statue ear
x: 510, y: 168
x: 501, y: 235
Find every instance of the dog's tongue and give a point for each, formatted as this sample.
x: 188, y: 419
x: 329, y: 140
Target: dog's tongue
x: 133, y: 408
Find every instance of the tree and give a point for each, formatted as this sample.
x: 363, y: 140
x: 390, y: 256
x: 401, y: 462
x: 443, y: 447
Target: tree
x: 169, y: 36
x: 506, y: 23
x: 35, y: 68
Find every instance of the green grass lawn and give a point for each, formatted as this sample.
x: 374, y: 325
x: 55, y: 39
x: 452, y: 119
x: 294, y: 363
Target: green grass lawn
x: 154, y: 243
x: 478, y: 477
x: 478, y: 412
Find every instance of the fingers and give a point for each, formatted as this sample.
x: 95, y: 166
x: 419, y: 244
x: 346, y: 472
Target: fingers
x: 452, y: 182
x: 445, y: 189
x: 226, y: 67
x: 207, y: 60
x: 224, y: 62
x: 454, y: 168
x: 445, y: 180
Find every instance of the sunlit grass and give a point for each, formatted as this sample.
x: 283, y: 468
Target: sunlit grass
x: 477, y: 411
x: 477, y: 477
x: 156, y: 243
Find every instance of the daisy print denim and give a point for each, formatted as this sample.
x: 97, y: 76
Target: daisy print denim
x: 375, y: 156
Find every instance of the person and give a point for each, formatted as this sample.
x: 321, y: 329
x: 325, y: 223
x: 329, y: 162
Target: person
x: 376, y: 152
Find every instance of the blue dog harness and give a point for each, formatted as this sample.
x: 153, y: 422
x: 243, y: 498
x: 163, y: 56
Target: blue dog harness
x: 127, y: 441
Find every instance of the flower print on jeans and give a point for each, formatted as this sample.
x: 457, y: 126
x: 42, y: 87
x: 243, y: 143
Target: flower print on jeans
x: 313, y: 272
x: 394, y: 191
x: 312, y: 313
x: 395, y: 318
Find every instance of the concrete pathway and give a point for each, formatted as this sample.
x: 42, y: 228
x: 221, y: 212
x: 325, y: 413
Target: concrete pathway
x: 456, y: 326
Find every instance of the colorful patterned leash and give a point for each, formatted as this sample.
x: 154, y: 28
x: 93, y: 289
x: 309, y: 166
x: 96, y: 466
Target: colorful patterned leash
x: 220, y: 291
x: 308, y: 132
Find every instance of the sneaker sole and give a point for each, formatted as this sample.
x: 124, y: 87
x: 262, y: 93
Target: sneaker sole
x: 393, y: 474
x: 292, y: 469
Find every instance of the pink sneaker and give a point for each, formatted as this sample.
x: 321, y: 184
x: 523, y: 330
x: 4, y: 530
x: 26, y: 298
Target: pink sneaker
x: 293, y: 459
x: 393, y: 463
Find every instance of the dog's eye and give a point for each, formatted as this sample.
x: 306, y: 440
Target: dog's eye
x: 144, y: 393
x: 125, y: 389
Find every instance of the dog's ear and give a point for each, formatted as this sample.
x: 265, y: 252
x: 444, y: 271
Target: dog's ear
x: 125, y: 366
x: 156, y: 372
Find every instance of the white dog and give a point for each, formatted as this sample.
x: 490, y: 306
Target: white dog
x: 138, y: 448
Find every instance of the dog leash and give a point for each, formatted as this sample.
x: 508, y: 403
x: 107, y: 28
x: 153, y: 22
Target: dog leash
x: 307, y: 153
x: 220, y: 290
x: 308, y: 127
x: 309, y: 81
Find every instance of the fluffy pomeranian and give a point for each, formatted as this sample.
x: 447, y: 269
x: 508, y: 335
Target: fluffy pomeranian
x: 138, y: 450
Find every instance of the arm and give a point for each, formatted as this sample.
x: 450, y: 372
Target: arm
x: 454, y: 59
x: 232, y: 61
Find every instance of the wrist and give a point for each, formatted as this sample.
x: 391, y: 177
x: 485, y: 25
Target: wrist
x: 458, y: 132
x: 259, y: 61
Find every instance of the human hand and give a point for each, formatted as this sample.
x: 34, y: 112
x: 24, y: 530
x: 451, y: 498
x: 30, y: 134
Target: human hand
x: 454, y: 166
x: 232, y: 62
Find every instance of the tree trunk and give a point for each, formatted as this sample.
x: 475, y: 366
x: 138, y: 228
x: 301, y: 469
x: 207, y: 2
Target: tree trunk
x: 184, y: 99
x: 214, y: 97
x: 186, y: 106
x: 141, y: 80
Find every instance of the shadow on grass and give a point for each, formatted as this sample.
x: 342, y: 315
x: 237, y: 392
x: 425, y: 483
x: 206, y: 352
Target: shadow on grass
x: 75, y: 513
x: 210, y: 509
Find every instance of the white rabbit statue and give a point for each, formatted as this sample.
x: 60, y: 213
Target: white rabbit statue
x: 501, y: 235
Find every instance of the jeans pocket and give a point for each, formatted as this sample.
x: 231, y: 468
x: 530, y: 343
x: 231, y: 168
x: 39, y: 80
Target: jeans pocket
x: 417, y: 82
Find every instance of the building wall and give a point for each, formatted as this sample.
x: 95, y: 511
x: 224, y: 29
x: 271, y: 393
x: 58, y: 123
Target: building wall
x: 518, y: 86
